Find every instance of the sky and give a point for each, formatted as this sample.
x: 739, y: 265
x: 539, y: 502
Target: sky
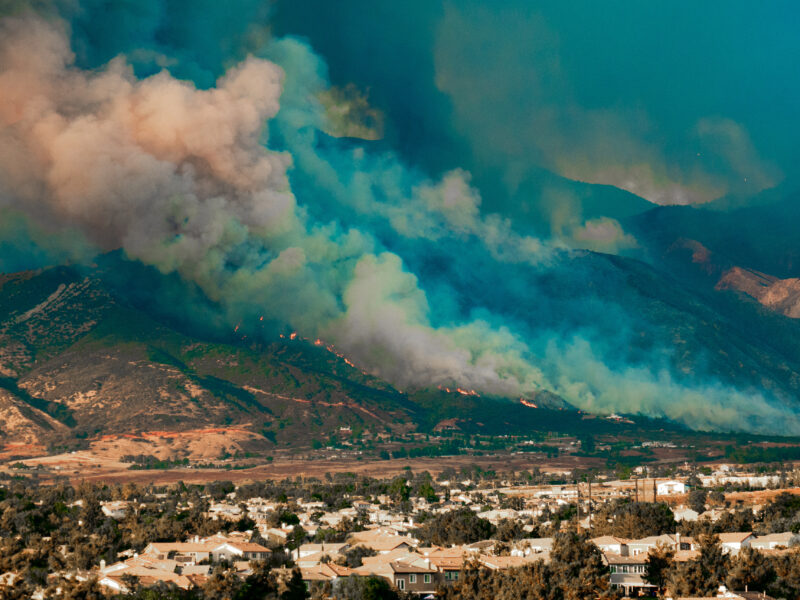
x: 404, y: 180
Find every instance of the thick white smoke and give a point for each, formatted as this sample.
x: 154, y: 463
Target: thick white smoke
x: 180, y: 179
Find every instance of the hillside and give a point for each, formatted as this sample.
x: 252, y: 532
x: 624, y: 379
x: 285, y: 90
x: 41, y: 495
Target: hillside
x: 81, y: 365
x: 82, y: 361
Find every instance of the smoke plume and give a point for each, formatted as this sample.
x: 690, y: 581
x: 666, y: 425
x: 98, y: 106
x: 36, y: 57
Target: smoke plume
x: 233, y: 185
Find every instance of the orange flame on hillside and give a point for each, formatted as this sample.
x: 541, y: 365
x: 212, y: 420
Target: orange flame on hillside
x: 527, y: 403
x: 461, y: 391
x: 467, y: 392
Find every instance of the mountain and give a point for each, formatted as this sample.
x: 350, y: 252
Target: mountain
x: 79, y: 362
x: 111, y: 351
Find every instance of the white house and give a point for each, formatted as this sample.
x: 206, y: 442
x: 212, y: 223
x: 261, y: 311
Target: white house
x: 776, y: 540
x: 686, y: 514
x: 667, y: 488
x: 733, y: 542
x: 231, y: 551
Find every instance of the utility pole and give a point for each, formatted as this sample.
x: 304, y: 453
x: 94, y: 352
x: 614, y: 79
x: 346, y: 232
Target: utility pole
x: 655, y: 496
x: 636, y: 483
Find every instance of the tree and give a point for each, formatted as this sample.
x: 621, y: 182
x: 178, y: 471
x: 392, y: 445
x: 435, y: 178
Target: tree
x: 750, y: 570
x: 260, y: 584
x: 509, y: 530
x: 363, y: 588
x: 697, y: 500
x: 659, y: 563
x: 399, y: 489
x: 353, y: 557
x: 702, y: 576
x: 577, y: 567
x: 461, y: 526
x: 295, y: 587
x: 575, y: 572
x: 634, y: 520
x: 223, y: 584
x: 296, y: 538
x: 787, y: 568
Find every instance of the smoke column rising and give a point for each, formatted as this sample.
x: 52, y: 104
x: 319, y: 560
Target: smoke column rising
x: 317, y: 235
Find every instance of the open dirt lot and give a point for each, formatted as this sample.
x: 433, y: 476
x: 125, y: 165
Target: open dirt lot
x: 89, y: 466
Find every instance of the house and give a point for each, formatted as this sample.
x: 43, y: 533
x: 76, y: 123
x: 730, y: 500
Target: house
x: 667, y: 488
x: 414, y: 577
x: 149, y: 571
x: 626, y: 573
x: 674, y: 541
x: 449, y: 562
x: 115, y: 510
x: 331, y: 549
x: 534, y: 545
x: 323, y: 572
x: 686, y: 514
x: 609, y: 543
x: 733, y: 542
x: 183, y: 552
x: 232, y: 551
x: 776, y: 540
x: 382, y: 541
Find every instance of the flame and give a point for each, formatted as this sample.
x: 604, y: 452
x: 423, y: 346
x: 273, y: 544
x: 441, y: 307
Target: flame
x: 235, y: 329
x: 527, y: 403
x: 329, y: 347
x: 461, y: 391
x: 261, y: 318
x: 467, y: 392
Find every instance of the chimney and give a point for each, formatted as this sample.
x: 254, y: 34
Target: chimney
x: 102, y: 563
x: 677, y: 542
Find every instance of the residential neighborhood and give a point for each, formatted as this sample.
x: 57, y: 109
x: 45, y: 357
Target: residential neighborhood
x: 423, y: 536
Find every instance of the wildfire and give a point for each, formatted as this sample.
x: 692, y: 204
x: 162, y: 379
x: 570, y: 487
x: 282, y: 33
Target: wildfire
x: 527, y: 403
x: 261, y: 318
x: 467, y: 392
x: 329, y: 347
x: 459, y: 390
x: 235, y: 329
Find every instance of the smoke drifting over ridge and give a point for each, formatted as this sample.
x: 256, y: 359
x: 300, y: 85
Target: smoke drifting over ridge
x: 320, y: 236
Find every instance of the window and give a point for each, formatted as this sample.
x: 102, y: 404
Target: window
x: 427, y: 577
x: 401, y: 584
x: 412, y: 578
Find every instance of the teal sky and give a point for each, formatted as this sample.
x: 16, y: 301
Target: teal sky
x: 702, y: 94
